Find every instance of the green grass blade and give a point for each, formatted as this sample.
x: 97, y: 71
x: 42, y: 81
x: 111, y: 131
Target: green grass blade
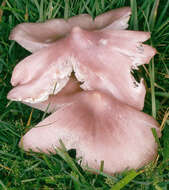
x: 153, y: 15
x: 37, y: 5
x: 85, y: 3
x: 77, y: 184
x: 163, y: 94
x: 161, y: 27
x: 163, y: 13
x: 15, y: 12
x: 3, y: 186
x: 123, y: 182
x: 152, y: 82
x: 41, y: 13
x: 103, y: 4
x: 49, y: 10
x: 63, y: 153
x: 56, y: 9
x: 134, y: 17
x: 66, y: 10
x: 157, y: 187
x: 156, y: 137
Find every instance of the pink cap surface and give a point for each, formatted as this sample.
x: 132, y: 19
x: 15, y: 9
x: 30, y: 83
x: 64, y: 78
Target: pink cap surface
x: 100, y: 128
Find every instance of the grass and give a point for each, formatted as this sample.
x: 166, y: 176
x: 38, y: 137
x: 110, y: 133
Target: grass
x: 30, y: 171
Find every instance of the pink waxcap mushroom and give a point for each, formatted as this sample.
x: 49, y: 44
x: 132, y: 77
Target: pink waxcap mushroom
x: 34, y: 36
x: 101, y: 60
x: 100, y: 128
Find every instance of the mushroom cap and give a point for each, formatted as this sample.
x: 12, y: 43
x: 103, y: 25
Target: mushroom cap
x: 100, y: 128
x: 103, y: 60
x: 34, y: 36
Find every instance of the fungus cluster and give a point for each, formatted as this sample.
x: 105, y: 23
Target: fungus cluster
x: 81, y: 70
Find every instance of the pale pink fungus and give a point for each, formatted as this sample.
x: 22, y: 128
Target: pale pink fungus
x: 34, y: 36
x: 103, y: 122
x: 100, y: 128
x: 101, y: 60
